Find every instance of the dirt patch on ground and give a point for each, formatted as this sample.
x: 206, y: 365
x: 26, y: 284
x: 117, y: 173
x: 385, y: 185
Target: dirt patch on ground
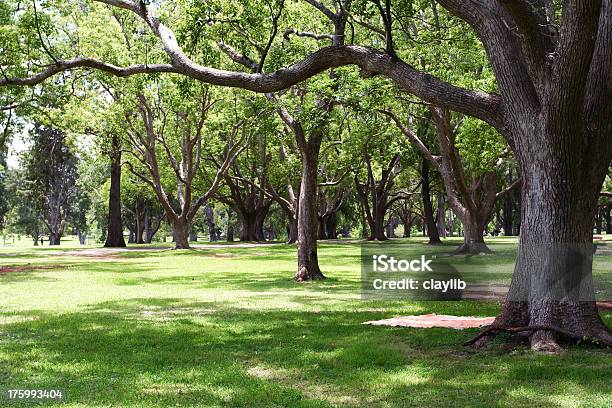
x: 604, y: 305
x: 27, y: 268
x: 434, y: 320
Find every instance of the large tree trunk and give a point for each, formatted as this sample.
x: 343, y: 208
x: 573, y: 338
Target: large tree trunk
x: 552, y: 282
x: 377, y: 226
x: 308, y: 261
x: 114, y: 236
x: 260, y: 218
x: 473, y: 239
x: 180, y: 230
x: 54, y: 238
x: 248, y: 227
x: 432, y: 230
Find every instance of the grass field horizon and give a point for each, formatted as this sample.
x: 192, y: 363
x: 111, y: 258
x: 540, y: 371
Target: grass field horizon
x: 227, y: 326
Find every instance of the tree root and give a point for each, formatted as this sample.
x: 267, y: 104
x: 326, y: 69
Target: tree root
x: 535, y: 328
x: 472, y: 249
x: 303, y: 275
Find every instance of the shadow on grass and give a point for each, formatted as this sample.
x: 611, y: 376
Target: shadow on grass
x: 161, y: 352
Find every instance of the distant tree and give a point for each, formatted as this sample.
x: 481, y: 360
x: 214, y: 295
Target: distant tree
x: 3, y: 198
x: 50, y: 173
x: 22, y: 218
x: 170, y: 126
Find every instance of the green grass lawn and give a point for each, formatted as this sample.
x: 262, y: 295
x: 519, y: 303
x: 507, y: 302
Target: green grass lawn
x: 229, y: 327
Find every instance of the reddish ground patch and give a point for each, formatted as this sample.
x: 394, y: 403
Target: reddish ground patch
x: 24, y: 268
x: 434, y: 320
x: 604, y: 305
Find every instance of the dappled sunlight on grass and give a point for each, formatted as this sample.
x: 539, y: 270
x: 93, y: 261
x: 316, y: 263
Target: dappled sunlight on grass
x: 230, y: 327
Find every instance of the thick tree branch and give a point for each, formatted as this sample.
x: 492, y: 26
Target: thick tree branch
x: 530, y: 19
x: 474, y: 103
x: 321, y: 7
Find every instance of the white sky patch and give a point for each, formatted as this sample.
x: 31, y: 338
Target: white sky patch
x: 18, y: 145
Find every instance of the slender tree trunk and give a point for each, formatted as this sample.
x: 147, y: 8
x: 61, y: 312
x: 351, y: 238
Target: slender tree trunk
x: 292, y: 230
x: 451, y: 222
x: 210, y: 219
x: 598, y: 220
x: 132, y: 236
x: 508, y: 214
x: 428, y: 218
x: 193, y: 236
x: 150, y: 228
x: 260, y: 218
x: 408, y: 222
x: 441, y: 217
x: 230, y: 227
x: 114, y: 235
x: 140, y: 225
x: 308, y: 261
x: 608, y: 217
x: 331, y: 226
x: 321, y: 233
x: 230, y: 233
x: 391, y: 225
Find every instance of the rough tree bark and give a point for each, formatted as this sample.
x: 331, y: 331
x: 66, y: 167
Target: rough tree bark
x: 308, y: 260
x: 114, y: 235
x: 180, y: 230
x: 558, y: 86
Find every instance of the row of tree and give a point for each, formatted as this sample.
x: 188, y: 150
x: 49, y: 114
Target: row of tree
x: 537, y: 72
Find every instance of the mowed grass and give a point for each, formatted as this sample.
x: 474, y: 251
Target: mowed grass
x: 227, y: 326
